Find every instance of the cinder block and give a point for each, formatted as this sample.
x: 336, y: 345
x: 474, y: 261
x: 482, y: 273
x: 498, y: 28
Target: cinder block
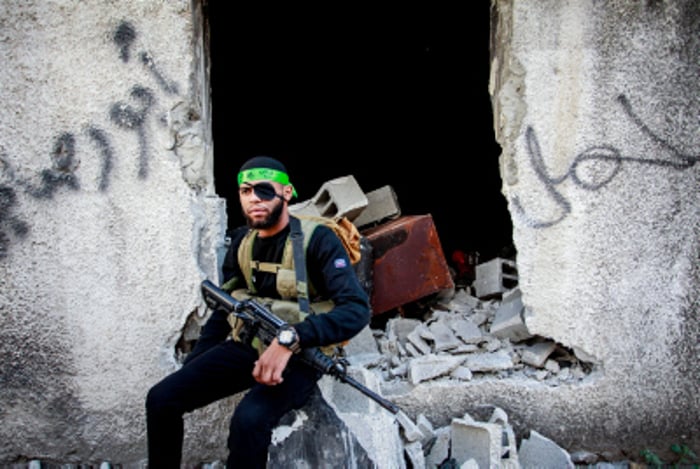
x: 537, y: 354
x: 408, y: 262
x: 336, y: 198
x: 476, y: 440
x: 382, y: 206
x: 494, y: 277
x: 509, y: 444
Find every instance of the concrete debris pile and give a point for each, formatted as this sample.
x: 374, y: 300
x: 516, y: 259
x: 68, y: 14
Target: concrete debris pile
x: 472, y: 444
x: 458, y: 337
x: 359, y: 434
x: 466, y: 338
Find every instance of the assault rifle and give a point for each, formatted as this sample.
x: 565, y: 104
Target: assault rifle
x: 263, y: 324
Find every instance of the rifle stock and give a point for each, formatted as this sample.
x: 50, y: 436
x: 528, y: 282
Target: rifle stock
x: 262, y: 323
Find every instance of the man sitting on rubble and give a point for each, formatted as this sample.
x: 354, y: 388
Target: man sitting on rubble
x: 275, y: 381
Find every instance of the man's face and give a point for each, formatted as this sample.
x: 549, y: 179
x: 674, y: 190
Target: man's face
x: 263, y: 207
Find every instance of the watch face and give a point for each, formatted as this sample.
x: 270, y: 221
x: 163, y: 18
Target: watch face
x: 286, y: 337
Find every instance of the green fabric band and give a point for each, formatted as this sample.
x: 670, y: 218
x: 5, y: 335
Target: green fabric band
x: 265, y: 174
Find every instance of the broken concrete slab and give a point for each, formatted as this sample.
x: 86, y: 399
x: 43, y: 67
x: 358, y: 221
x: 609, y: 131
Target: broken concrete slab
x: 363, y: 349
x: 489, y: 362
x: 536, y: 354
x: 415, y: 338
x: 431, y: 366
x: 468, y: 331
x: 509, y: 320
x: 540, y: 451
x: 295, y: 441
x: 443, y: 337
x: 438, y: 450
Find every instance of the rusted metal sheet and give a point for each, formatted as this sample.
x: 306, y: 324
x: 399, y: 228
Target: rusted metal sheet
x: 409, y: 263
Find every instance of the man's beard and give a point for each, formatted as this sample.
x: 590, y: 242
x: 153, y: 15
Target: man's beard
x: 268, y: 222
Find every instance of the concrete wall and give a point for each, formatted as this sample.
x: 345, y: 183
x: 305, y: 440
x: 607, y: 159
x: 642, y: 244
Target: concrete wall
x: 596, y: 108
x: 108, y: 220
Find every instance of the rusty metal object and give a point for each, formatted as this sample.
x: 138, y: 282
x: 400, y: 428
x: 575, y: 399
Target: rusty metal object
x: 409, y: 263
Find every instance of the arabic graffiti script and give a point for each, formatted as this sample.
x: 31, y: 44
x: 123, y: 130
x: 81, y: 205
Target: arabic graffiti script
x: 608, y: 160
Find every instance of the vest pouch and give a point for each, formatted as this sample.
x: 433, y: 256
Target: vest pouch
x: 286, y: 310
x: 286, y: 283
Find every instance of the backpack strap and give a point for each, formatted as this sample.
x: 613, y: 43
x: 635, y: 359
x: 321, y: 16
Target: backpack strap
x: 245, y: 255
x: 297, y: 237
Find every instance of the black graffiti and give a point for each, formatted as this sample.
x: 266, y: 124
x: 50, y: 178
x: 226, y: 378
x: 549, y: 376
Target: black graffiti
x: 62, y: 173
x: 608, y: 162
x: 8, y: 200
x: 170, y: 87
x: 131, y: 118
x: 131, y: 115
x: 107, y: 154
x: 124, y: 36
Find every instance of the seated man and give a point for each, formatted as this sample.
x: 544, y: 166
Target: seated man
x: 220, y: 365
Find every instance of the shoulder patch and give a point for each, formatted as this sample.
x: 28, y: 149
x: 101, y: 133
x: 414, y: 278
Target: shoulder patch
x: 340, y: 263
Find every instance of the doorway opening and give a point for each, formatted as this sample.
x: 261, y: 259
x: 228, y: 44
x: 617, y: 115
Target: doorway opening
x: 394, y: 96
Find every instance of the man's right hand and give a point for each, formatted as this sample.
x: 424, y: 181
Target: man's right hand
x: 271, y: 363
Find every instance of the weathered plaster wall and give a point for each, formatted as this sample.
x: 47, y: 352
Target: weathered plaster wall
x: 108, y: 220
x: 597, y: 106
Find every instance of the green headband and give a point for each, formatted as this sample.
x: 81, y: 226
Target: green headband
x: 266, y: 174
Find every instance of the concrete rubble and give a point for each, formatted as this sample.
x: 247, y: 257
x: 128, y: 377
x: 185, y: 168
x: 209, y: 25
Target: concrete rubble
x: 455, y: 339
x: 465, y: 338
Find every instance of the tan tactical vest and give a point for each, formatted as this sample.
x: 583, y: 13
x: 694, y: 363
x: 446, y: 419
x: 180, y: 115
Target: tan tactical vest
x: 289, y: 289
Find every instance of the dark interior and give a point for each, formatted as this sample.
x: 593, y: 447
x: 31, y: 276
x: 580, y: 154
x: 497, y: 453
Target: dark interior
x: 394, y: 96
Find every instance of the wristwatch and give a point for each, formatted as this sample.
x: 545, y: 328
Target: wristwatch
x: 288, y: 337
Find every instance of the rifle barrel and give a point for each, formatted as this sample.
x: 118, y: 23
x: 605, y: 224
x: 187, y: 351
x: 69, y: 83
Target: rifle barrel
x: 388, y: 405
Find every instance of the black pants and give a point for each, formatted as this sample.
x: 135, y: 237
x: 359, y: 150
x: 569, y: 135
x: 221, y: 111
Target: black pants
x: 219, y: 372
